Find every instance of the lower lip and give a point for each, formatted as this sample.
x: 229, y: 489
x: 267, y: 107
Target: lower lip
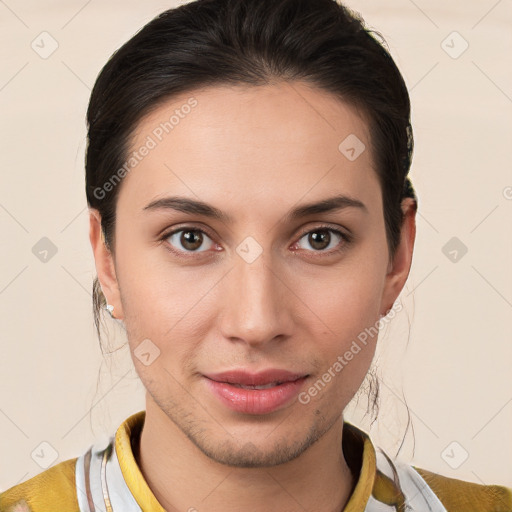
x: 255, y: 401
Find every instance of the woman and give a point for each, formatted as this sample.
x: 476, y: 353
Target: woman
x: 252, y: 222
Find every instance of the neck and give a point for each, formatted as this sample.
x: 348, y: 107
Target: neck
x: 182, y: 478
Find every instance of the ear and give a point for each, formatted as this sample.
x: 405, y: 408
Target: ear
x: 399, y: 267
x: 104, y: 264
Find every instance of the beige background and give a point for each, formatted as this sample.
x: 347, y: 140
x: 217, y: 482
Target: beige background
x: 454, y: 366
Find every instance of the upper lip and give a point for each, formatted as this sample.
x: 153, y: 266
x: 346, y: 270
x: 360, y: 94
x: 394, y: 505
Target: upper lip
x: 246, y: 378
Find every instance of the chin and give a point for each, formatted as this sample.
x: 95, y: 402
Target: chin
x: 259, y: 451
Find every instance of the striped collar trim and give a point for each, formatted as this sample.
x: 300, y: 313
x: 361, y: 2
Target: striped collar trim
x: 127, y: 433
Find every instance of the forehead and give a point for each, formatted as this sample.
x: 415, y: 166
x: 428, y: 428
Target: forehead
x: 267, y: 142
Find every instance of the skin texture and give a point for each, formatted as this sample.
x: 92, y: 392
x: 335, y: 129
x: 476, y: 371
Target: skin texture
x: 254, y: 153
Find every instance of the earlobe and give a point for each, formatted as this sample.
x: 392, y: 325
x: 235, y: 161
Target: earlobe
x: 399, y: 268
x: 104, y: 262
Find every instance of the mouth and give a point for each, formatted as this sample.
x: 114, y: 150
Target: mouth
x: 255, y: 393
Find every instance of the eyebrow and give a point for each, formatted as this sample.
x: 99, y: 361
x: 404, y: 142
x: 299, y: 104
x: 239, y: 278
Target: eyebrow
x: 192, y: 206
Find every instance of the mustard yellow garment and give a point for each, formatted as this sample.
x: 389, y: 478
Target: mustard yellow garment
x: 54, y: 490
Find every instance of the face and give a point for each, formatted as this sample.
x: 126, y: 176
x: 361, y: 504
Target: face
x: 265, y: 283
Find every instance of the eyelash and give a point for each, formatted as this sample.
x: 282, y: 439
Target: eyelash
x: 347, y: 240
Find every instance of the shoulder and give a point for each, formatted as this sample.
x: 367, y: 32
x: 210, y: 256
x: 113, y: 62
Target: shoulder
x: 53, y: 489
x: 462, y: 496
x: 399, y: 482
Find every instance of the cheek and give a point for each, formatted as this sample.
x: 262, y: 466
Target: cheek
x: 156, y: 292
x: 348, y: 306
x: 347, y: 300
x: 170, y: 306
x: 347, y: 339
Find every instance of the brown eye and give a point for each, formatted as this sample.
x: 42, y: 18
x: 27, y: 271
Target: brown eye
x: 189, y: 239
x: 321, y: 239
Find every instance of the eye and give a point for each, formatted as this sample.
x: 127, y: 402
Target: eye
x: 321, y: 240
x: 190, y: 239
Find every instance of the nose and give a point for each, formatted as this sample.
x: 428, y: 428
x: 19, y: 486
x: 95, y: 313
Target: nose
x: 257, y: 303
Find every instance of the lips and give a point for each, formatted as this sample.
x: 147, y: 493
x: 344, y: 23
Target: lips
x: 255, y: 393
